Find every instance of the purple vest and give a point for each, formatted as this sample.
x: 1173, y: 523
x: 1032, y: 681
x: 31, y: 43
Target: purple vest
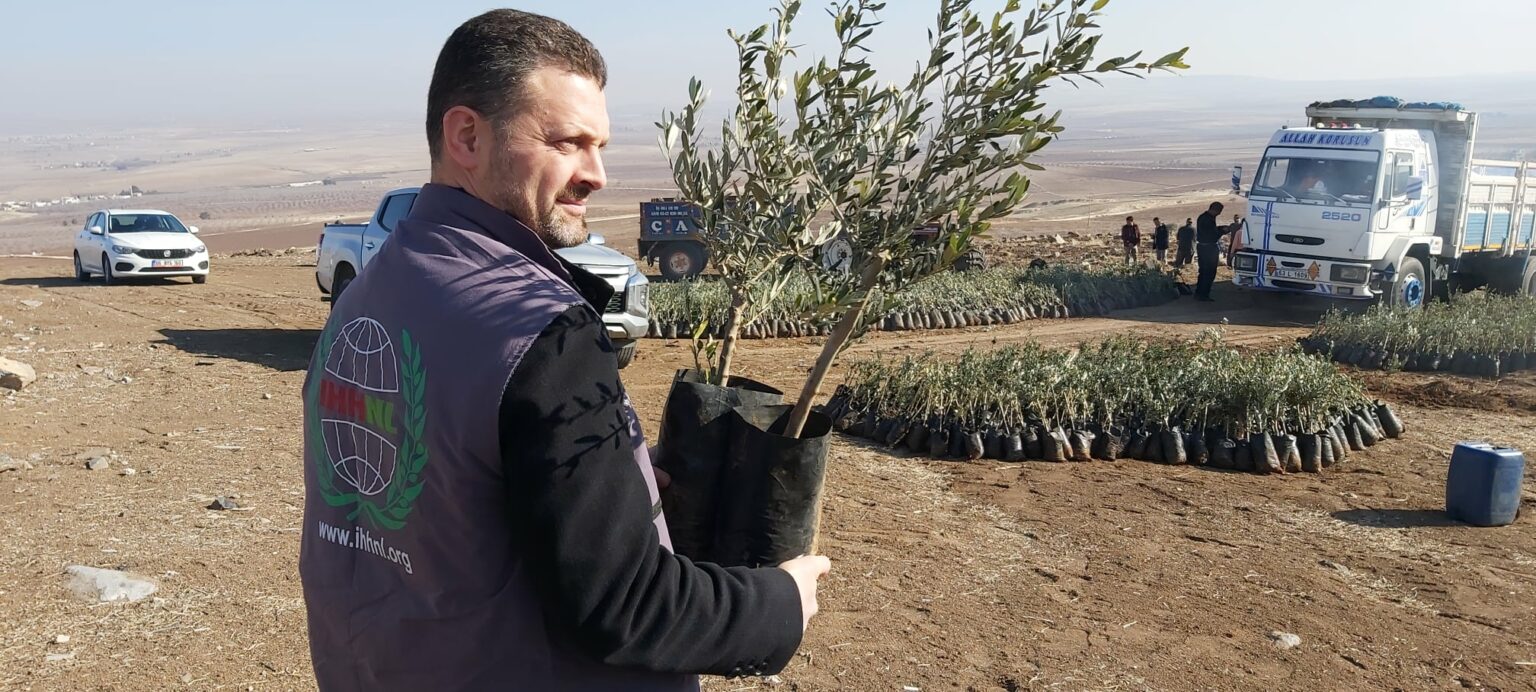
x: 411, y: 577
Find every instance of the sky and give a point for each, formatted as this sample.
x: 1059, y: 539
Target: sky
x: 73, y: 64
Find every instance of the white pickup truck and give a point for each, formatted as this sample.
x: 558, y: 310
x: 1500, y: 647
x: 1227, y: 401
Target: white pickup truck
x: 346, y: 248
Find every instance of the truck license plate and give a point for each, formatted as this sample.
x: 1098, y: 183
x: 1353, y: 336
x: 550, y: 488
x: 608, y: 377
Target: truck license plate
x: 1288, y: 273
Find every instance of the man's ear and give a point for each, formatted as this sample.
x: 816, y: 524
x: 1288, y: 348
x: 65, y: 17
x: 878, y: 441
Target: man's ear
x: 463, y: 137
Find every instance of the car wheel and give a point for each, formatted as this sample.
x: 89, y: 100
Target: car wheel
x: 80, y: 273
x: 681, y: 261
x: 200, y: 279
x: 106, y: 270
x: 1411, y: 288
x: 344, y: 278
x: 626, y: 353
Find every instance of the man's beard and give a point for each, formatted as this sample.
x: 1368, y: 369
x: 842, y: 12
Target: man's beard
x: 553, y: 225
x: 559, y: 229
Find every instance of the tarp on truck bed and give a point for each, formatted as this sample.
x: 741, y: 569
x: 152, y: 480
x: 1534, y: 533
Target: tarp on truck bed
x: 1389, y: 102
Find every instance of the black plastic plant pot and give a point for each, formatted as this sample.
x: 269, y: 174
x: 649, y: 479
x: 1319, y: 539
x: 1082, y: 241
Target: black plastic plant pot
x: 1108, y: 445
x: 1082, y: 445
x: 1309, y: 446
x: 1265, y: 458
x: 1223, y: 451
x: 1173, y: 446
x: 1013, y: 447
x: 917, y: 438
x: 938, y: 441
x: 1135, y: 444
x: 770, y: 489
x: 694, y: 444
x: 1195, y: 448
x: 1389, y: 420
x: 1055, y: 446
x: 1328, y: 448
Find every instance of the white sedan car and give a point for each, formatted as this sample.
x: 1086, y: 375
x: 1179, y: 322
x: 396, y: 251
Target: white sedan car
x: 125, y: 243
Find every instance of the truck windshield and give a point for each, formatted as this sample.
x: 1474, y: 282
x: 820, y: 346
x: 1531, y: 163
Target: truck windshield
x: 1332, y: 182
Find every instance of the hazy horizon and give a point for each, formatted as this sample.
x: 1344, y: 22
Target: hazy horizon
x: 174, y: 64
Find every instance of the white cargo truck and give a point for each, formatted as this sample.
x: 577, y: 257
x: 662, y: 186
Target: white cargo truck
x: 1381, y: 200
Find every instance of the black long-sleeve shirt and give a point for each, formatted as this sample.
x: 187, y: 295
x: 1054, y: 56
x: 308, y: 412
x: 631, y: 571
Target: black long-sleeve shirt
x: 1206, y: 228
x: 585, y: 516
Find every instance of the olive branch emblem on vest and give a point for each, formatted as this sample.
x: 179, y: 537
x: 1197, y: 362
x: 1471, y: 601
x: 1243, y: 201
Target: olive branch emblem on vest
x: 367, y: 458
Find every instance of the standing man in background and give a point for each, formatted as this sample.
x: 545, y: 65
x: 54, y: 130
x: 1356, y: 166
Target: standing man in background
x: 1160, y: 241
x: 1130, y: 235
x: 496, y: 525
x: 1207, y: 236
x: 1186, y: 251
x: 1235, y: 231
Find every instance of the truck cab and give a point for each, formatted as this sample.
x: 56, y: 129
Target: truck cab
x: 1345, y: 212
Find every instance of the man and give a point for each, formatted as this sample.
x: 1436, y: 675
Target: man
x: 1186, y: 251
x: 1207, y: 235
x: 1160, y: 240
x: 481, y: 512
x: 1235, y: 235
x: 1130, y: 235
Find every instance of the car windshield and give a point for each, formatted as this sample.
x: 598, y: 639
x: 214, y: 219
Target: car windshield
x: 1334, y: 182
x: 145, y: 223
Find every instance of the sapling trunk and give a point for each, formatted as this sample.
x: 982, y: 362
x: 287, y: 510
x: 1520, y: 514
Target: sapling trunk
x: 835, y: 343
x: 732, y: 335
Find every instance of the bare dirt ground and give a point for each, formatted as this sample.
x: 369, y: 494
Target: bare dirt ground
x: 946, y: 576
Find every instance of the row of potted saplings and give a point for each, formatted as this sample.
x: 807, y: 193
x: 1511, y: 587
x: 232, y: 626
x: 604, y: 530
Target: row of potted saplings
x: 1287, y: 451
x: 900, y: 320
x: 1461, y: 362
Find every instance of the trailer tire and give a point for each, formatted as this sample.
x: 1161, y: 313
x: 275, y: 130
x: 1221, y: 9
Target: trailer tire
x: 1411, y: 288
x: 972, y: 260
x: 680, y: 261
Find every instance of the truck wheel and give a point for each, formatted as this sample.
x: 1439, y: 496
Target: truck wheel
x: 1526, y: 285
x: 344, y: 277
x: 1411, y: 288
x: 626, y: 352
x: 972, y: 260
x: 680, y: 261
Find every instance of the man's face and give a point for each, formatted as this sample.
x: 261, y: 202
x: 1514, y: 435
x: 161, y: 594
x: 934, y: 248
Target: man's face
x: 547, y: 159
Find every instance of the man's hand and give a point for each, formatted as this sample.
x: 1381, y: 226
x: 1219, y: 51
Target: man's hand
x: 663, y: 479
x: 806, y: 569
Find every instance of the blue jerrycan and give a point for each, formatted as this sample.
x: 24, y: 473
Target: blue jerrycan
x: 1483, y: 485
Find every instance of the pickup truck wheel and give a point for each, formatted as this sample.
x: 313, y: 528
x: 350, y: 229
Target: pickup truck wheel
x: 80, y: 273
x: 343, y: 279
x: 1411, y: 288
x: 681, y: 261
x: 626, y: 353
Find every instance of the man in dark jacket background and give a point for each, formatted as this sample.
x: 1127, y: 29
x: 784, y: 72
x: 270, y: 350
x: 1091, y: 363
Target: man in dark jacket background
x: 1160, y: 240
x: 480, y: 508
x: 1186, y: 247
x: 1207, y: 236
x: 1130, y: 235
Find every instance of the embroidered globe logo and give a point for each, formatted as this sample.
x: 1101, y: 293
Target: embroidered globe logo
x: 363, y: 355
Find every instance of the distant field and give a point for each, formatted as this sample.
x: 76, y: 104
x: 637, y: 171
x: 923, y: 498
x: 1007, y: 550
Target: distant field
x: 1113, y: 160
